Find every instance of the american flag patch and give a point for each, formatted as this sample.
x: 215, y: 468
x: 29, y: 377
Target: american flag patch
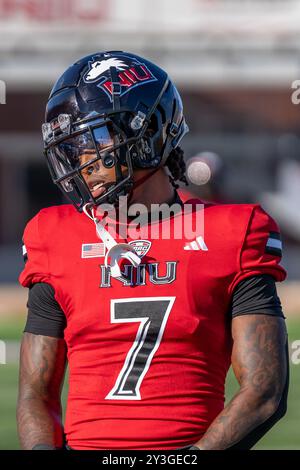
x: 92, y: 250
x: 274, y: 244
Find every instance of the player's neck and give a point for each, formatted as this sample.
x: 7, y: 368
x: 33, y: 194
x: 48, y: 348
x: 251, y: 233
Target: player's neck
x: 155, y: 190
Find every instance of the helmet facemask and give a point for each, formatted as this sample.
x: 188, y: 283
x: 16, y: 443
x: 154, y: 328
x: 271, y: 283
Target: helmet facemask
x: 75, y: 153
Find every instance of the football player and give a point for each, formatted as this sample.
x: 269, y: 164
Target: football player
x: 150, y: 325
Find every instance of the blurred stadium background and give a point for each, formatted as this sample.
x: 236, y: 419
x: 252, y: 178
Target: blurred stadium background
x: 234, y: 62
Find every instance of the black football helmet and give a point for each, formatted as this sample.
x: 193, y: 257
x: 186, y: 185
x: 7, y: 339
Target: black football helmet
x: 118, y: 108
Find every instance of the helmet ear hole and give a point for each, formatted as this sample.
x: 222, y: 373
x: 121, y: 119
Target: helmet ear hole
x: 162, y: 112
x: 153, y: 125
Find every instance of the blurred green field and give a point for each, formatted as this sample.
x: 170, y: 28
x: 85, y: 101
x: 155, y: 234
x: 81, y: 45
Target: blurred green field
x: 285, y: 435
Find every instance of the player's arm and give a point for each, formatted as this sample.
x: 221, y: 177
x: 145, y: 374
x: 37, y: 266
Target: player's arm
x: 42, y: 369
x: 260, y: 366
x: 260, y: 352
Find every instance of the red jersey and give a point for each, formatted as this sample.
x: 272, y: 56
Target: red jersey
x: 149, y: 352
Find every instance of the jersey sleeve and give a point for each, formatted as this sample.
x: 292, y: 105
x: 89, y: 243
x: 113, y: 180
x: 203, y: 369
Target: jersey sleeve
x: 261, y: 250
x: 35, y: 255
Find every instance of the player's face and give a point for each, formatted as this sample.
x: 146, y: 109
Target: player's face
x: 87, y: 148
x: 96, y: 175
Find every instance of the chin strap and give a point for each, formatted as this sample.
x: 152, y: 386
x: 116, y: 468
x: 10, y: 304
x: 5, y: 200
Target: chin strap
x: 115, y: 251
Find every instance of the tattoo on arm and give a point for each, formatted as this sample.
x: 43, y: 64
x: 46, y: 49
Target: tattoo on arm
x: 259, y: 364
x: 42, y: 369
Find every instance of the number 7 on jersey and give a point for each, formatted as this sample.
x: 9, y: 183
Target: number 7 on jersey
x: 153, y: 314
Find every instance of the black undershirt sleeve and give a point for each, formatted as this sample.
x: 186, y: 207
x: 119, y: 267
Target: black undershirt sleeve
x: 256, y: 295
x: 45, y: 316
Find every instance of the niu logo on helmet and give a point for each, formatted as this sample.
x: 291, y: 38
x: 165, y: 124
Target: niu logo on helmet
x: 131, y: 74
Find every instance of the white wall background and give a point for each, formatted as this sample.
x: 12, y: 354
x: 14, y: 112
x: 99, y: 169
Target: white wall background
x: 209, y: 42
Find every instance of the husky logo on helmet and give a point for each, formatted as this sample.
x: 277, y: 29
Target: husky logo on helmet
x: 131, y: 73
x: 101, y: 66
